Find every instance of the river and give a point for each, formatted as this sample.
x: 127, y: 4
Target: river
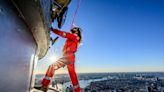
x: 83, y: 84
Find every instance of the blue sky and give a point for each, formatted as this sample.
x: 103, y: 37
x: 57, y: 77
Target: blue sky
x: 118, y: 36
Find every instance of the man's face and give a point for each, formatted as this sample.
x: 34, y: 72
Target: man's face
x: 74, y: 31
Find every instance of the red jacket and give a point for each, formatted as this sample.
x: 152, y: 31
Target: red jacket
x: 71, y: 43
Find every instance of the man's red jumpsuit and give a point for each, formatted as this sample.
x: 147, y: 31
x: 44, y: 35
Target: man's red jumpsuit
x: 68, y: 59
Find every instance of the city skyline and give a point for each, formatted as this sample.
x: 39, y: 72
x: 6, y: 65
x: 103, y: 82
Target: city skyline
x: 111, y: 82
x: 119, y: 36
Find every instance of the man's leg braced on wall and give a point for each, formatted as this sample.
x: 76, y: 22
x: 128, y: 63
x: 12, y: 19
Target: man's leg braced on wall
x: 50, y: 73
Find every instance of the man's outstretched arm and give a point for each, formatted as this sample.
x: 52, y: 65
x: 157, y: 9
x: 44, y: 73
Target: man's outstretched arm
x: 63, y: 34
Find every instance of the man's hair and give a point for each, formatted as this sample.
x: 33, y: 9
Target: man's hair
x: 79, y: 33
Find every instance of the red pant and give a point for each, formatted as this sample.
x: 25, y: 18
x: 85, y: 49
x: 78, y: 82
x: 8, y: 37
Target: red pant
x: 65, y: 60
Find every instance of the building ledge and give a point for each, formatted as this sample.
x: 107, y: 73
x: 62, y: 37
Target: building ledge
x: 33, y: 12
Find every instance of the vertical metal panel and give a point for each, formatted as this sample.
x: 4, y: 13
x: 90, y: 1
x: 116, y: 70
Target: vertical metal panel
x: 17, y: 46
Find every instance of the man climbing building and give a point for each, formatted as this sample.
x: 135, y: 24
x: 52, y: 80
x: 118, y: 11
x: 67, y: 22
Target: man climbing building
x: 73, y: 39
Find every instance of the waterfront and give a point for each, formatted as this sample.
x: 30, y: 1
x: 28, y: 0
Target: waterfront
x: 114, y: 82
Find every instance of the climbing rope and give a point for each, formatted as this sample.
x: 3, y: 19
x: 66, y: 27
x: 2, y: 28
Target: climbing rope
x: 78, y: 4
